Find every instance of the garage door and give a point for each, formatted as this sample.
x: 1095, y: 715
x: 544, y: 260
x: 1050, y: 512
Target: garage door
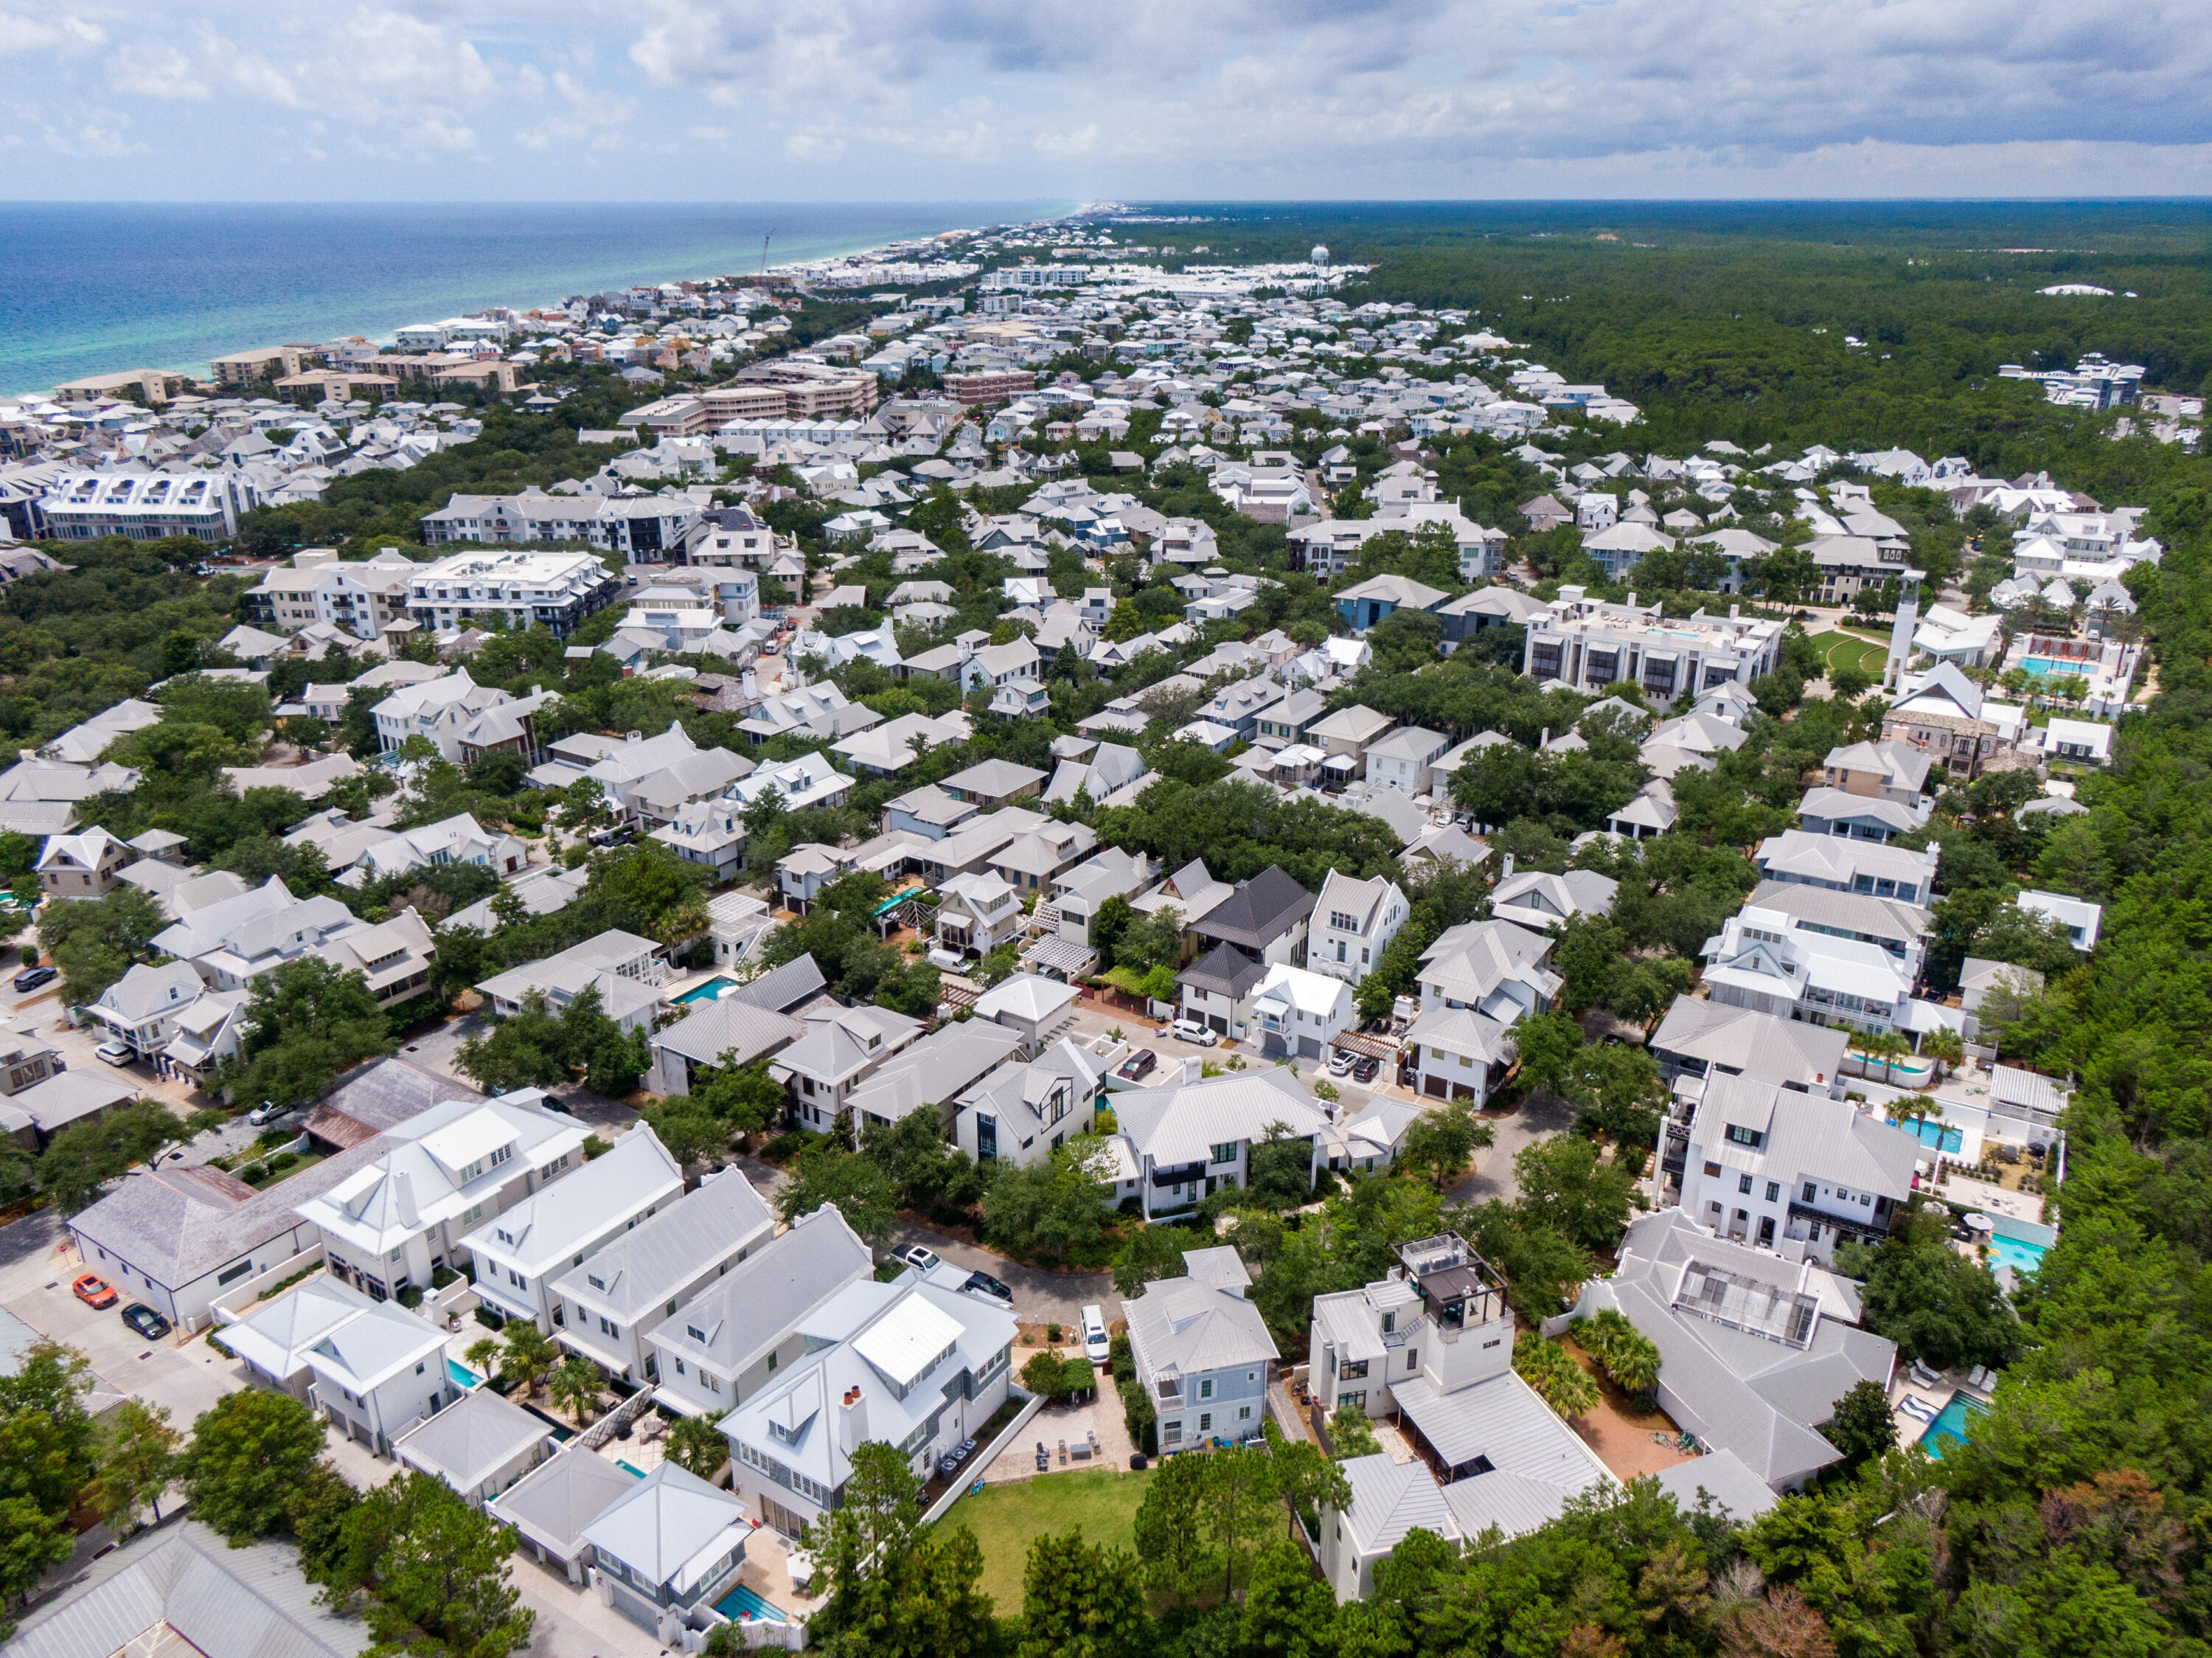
x: 1433, y: 1086
x: 1220, y: 1025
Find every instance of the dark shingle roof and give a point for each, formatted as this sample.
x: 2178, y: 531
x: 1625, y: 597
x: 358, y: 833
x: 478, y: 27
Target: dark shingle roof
x: 1259, y: 912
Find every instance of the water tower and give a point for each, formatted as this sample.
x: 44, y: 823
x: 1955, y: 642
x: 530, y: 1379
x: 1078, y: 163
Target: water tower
x: 1320, y: 254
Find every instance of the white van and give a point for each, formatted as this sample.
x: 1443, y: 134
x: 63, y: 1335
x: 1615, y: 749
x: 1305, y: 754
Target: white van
x: 1097, y: 1346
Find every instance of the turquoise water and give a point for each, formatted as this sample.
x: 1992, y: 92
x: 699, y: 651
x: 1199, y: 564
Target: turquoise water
x: 619, y: 1463
x: 1929, y: 1132
x: 462, y: 1375
x: 1949, y: 1427
x: 2018, y: 1253
x: 2040, y: 666
x: 96, y: 288
x: 741, y: 1603
x: 707, y: 991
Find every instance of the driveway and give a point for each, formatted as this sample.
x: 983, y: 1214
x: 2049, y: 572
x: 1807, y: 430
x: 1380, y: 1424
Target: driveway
x: 439, y: 1050
x: 1040, y: 1296
x: 1538, y: 1119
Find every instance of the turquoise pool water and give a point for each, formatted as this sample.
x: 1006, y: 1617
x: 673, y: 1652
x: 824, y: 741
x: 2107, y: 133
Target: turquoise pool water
x: 1934, y: 1134
x: 1949, y: 1427
x: 619, y: 1463
x: 2019, y: 1253
x: 709, y: 990
x: 741, y: 1603
x: 462, y: 1375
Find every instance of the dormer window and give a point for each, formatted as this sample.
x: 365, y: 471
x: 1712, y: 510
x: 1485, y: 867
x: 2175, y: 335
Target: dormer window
x: 596, y: 1281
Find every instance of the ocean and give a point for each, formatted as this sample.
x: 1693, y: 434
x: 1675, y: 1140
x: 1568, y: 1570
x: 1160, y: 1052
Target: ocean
x: 96, y: 288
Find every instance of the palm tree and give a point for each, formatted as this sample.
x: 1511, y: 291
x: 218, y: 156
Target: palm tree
x: 483, y: 1354
x: 696, y: 1445
x: 575, y: 1387
x: 1944, y: 1045
x: 530, y: 1354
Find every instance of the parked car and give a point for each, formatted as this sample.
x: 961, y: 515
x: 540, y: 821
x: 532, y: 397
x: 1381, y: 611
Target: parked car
x: 31, y: 978
x: 145, y: 1321
x: 1196, y: 1031
x: 1341, y: 1060
x: 984, y: 1285
x: 116, y: 1053
x: 265, y: 1113
x: 1097, y: 1346
x: 93, y: 1290
x: 1365, y: 1070
x: 1137, y: 1064
x: 924, y: 1260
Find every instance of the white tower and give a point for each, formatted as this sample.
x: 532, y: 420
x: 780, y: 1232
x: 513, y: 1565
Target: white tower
x: 1900, y: 636
x: 1320, y: 254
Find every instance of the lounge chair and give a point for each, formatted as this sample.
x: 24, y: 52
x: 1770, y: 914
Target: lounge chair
x: 1982, y: 1379
x: 1919, y: 1408
x: 1927, y: 1378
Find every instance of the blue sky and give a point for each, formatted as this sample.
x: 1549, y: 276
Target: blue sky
x: 997, y: 100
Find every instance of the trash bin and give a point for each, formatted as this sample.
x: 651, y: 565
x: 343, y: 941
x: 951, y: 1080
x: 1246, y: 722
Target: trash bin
x: 1137, y: 1460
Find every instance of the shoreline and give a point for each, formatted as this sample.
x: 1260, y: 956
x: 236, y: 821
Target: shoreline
x: 200, y: 367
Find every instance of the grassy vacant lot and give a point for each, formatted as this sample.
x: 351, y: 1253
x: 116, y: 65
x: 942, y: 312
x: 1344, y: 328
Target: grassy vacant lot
x: 1006, y: 1519
x: 1837, y: 649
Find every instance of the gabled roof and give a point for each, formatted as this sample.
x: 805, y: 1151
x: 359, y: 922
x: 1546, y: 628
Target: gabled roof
x: 1199, y: 1322
x: 1260, y: 911
x: 1758, y: 1044
x: 554, y: 1502
x: 1181, y: 1122
x: 642, y: 1268
x: 761, y: 1300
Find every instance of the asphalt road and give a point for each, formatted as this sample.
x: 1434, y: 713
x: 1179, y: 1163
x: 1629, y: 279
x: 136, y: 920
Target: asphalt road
x: 1493, y: 1169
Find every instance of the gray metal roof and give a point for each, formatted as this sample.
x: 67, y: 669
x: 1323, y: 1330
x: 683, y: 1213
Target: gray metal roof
x: 758, y: 1302
x: 1721, y: 1475
x: 1758, y: 1043
x: 1189, y: 1324
x: 730, y: 1026
x: 781, y: 989
x: 226, y: 1602
x: 471, y: 1439
x: 1503, y: 1419
x: 1858, y: 914
x: 644, y: 1267
x: 554, y: 1501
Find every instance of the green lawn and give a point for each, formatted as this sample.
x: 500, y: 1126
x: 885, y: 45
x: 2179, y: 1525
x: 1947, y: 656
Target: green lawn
x: 1006, y: 1519
x: 1837, y: 649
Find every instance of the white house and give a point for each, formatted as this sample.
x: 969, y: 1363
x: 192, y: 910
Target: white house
x: 1405, y: 760
x: 907, y: 1364
x: 1457, y: 1053
x: 1433, y: 1342
x: 1542, y: 902
x: 1183, y: 1141
x: 1299, y: 1015
x: 1492, y: 967
x: 561, y: 1224
x: 480, y: 1445
x: 379, y: 1373
x: 1202, y: 1352
x: 723, y: 1345
x: 1767, y: 1163
x: 394, y: 1222
x: 613, y: 1301
x: 1352, y: 923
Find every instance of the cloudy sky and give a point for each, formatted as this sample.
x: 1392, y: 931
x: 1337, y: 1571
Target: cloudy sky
x: 998, y: 100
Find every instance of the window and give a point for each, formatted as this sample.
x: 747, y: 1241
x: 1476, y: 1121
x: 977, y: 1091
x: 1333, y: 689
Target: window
x: 1810, y: 1190
x: 1413, y: 1359
x: 232, y: 1274
x: 1243, y: 1413
x: 771, y: 1363
x: 1226, y: 1152
x: 1206, y: 1421
x: 1743, y: 1183
x: 1741, y: 1136
x: 1774, y: 1190
x: 1206, y: 1388
x: 1389, y: 1322
x: 1356, y: 1401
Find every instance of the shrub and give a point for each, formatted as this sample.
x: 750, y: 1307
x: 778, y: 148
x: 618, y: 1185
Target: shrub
x: 1626, y: 1354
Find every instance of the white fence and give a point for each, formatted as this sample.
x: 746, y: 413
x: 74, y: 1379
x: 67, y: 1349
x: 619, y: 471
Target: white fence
x: 992, y: 1452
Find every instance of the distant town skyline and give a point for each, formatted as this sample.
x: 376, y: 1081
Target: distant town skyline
x: 869, y: 99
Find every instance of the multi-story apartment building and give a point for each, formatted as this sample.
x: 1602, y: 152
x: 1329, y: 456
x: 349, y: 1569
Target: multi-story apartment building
x: 989, y: 385
x: 363, y: 597
x: 83, y: 506
x: 552, y: 590
x: 1588, y: 645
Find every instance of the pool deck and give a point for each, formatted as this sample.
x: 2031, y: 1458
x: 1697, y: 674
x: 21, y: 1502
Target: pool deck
x: 1902, y: 1387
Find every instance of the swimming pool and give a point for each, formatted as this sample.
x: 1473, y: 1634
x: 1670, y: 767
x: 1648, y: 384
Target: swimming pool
x: 627, y: 1468
x: 2023, y: 1255
x: 1949, y: 1427
x: 1940, y: 1135
x: 741, y: 1603
x: 711, y: 991
x: 462, y: 1375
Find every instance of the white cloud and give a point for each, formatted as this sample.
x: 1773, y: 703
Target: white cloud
x: 67, y: 34
x: 435, y: 131
x: 1079, y: 142
x: 156, y: 72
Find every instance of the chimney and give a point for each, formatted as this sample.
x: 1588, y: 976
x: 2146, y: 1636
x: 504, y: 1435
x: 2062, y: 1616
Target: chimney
x: 1191, y: 1069
x: 1632, y: 601
x: 402, y: 1198
x: 852, y: 1420
x: 633, y: 736
x: 1736, y: 613
x: 1505, y: 871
